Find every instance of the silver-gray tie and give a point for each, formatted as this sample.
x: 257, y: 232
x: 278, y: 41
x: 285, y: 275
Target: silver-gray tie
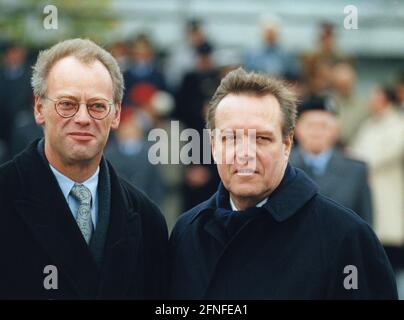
x: 83, y: 195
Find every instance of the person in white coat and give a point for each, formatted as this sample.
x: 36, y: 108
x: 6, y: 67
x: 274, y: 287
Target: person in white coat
x: 380, y: 142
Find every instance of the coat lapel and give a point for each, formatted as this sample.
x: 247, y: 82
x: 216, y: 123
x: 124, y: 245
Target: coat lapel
x: 44, y: 209
x: 122, y: 244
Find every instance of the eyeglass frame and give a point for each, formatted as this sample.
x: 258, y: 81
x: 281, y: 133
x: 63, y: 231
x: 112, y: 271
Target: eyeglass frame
x: 77, y: 110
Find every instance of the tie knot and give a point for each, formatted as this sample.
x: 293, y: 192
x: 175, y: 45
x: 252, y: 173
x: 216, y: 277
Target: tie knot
x: 81, y: 193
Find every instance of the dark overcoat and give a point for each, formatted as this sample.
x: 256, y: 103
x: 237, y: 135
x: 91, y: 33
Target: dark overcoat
x: 305, y: 246
x: 38, y: 230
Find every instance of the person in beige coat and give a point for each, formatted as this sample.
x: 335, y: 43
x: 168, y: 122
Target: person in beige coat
x: 380, y: 142
x: 352, y: 111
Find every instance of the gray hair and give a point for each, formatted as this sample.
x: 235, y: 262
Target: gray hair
x: 85, y: 51
x: 241, y: 82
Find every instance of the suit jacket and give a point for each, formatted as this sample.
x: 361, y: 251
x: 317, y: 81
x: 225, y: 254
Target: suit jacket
x: 137, y: 169
x: 345, y: 180
x: 305, y: 246
x: 37, y: 230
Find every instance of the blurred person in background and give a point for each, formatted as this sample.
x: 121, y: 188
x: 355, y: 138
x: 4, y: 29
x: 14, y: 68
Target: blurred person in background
x: 271, y: 58
x: 140, y: 98
x: 351, y: 110
x: 318, y: 79
x: 197, y: 87
x: 151, y: 109
x: 318, y: 65
x: 400, y: 92
x: 127, y: 151
x: 143, y: 67
x: 380, y: 142
x: 120, y: 51
x: 182, y: 57
x: 15, y: 90
x: 338, y: 176
x: 24, y: 131
x: 326, y: 49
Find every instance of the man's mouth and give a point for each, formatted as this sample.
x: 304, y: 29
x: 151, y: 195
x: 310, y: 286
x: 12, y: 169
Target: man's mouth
x: 245, y: 171
x: 82, y: 136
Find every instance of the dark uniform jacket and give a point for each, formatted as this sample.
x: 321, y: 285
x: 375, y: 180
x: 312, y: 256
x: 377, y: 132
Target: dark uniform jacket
x: 299, y: 245
x: 126, y: 258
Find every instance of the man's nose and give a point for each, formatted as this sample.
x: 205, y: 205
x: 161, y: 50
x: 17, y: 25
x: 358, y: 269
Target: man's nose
x: 82, y: 117
x: 245, y: 148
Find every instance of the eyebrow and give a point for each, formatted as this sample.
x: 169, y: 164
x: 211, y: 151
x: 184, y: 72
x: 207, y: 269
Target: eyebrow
x: 265, y: 133
x: 70, y: 96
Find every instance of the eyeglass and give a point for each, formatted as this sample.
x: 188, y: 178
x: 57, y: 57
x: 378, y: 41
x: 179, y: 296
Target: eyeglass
x: 67, y: 108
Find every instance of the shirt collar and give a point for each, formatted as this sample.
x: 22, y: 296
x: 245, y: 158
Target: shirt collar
x: 294, y: 191
x: 287, y: 177
x: 319, y: 161
x: 66, y: 184
x: 258, y: 205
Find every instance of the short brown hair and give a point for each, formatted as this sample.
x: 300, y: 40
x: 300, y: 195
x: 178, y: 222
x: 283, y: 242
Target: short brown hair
x: 85, y: 51
x: 239, y: 81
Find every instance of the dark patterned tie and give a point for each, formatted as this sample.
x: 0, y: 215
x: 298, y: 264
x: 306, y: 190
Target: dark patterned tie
x: 83, y: 195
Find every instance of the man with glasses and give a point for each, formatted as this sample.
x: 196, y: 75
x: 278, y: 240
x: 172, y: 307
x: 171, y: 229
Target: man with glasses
x: 70, y: 227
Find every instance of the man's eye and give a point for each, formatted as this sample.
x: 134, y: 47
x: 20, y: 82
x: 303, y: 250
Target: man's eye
x: 66, y: 104
x: 263, y: 139
x: 98, y: 106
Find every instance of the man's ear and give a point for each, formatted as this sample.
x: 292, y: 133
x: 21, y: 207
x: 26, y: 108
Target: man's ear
x: 117, y: 116
x: 288, y: 142
x: 39, y: 111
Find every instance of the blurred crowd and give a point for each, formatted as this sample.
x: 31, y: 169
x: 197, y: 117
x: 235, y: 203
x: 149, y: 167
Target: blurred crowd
x: 354, y: 150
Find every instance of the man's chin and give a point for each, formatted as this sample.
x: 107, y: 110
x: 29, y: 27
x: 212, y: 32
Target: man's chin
x: 246, y: 192
x: 82, y: 155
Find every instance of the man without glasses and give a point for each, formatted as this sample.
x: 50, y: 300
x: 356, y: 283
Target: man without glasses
x: 267, y: 233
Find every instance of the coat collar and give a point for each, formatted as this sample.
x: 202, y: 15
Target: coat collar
x: 294, y: 191
x: 291, y: 195
x: 42, y: 206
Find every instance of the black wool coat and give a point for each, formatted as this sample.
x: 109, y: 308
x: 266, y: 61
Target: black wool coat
x: 37, y: 230
x: 306, y: 246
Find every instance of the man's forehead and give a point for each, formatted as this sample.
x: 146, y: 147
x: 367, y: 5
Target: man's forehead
x: 69, y: 72
x: 249, y: 102
x: 260, y: 112
x: 73, y: 62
